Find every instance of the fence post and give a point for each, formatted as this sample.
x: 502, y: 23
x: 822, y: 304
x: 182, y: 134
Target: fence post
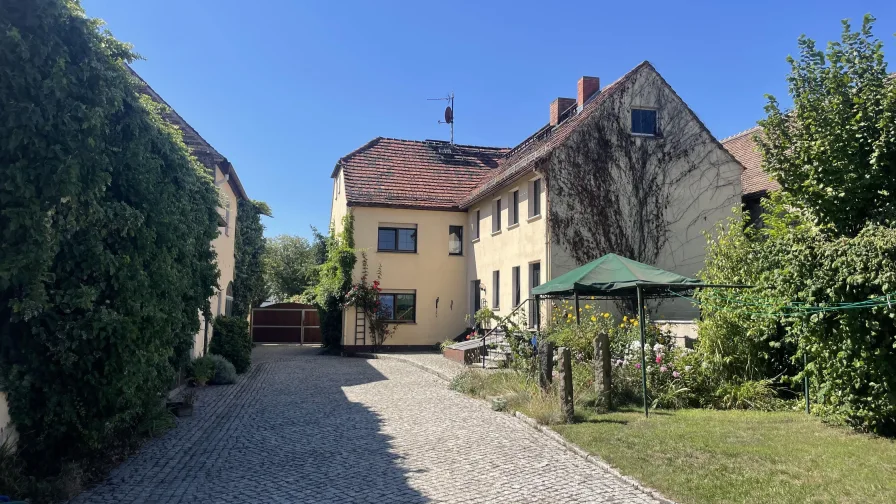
x: 602, y: 373
x: 545, y: 363
x: 566, y: 398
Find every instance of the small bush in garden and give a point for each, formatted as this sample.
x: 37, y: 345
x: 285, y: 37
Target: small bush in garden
x: 231, y: 340
x: 225, y: 373
x: 751, y: 394
x: 202, y: 370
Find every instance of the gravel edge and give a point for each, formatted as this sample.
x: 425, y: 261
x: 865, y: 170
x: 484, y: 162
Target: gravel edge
x: 546, y: 431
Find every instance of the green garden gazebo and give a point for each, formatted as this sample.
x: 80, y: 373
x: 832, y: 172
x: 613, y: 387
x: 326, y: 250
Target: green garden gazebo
x: 616, y: 277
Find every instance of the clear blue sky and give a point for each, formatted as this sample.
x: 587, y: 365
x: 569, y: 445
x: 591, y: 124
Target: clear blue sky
x: 285, y: 88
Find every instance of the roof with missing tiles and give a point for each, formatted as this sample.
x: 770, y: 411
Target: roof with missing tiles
x: 743, y: 147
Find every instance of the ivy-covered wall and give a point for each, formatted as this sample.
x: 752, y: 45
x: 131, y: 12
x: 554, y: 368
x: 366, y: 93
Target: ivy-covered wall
x: 105, y: 225
x: 649, y: 198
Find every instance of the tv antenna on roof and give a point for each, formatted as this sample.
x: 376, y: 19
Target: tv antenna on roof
x: 449, y: 113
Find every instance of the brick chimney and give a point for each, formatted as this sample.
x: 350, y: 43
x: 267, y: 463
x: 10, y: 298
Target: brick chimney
x: 559, y: 106
x: 588, y: 87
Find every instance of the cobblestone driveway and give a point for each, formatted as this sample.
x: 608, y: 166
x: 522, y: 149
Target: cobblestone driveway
x: 303, y: 428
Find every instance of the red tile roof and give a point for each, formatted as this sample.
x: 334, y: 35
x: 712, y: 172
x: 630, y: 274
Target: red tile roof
x: 743, y: 147
x: 427, y: 174
x: 523, y: 157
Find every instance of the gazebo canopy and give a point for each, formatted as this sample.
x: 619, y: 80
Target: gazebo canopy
x: 616, y: 276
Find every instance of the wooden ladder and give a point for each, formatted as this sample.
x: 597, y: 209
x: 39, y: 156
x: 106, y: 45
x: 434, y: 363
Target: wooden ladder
x: 360, y: 327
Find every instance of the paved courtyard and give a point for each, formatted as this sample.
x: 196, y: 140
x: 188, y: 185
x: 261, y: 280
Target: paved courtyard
x: 304, y: 428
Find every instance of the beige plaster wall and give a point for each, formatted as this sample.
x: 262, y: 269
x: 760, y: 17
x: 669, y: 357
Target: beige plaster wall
x: 224, y: 246
x: 431, y: 273
x: 699, y: 199
x: 520, y: 245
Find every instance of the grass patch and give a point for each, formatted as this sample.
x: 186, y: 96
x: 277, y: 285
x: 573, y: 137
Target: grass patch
x: 714, y: 456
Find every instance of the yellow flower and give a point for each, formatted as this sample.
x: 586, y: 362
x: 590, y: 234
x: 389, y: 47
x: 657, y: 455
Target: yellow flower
x: 634, y: 322
x: 625, y: 318
x: 606, y: 315
x: 587, y: 307
x: 593, y: 318
x: 621, y: 325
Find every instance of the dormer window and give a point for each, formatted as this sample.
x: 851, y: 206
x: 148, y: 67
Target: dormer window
x: 644, y: 122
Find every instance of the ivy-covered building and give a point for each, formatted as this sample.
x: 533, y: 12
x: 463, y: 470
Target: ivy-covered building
x: 231, y: 192
x: 626, y: 168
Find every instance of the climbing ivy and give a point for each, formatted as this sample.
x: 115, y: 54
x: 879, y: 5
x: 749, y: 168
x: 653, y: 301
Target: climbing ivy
x: 105, y: 226
x: 249, y: 289
x: 334, y: 280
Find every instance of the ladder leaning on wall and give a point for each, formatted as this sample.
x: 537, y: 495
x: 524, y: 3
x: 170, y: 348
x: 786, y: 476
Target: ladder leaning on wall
x: 360, y: 327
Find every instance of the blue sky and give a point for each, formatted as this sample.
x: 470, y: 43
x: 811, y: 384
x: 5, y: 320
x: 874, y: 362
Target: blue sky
x: 284, y: 88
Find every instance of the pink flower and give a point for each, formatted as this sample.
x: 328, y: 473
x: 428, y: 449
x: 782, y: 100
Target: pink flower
x: 637, y: 365
x: 659, y: 358
x: 662, y: 369
x: 676, y: 374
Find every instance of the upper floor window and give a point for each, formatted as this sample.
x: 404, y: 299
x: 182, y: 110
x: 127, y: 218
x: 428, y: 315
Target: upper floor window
x: 395, y: 239
x: 534, y: 198
x: 455, y: 240
x: 514, y: 217
x: 644, y: 122
x: 496, y: 216
x: 477, y: 216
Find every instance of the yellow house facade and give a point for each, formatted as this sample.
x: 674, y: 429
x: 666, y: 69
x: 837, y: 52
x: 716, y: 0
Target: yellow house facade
x: 456, y: 228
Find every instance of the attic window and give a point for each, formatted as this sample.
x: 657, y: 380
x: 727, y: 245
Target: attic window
x: 644, y: 122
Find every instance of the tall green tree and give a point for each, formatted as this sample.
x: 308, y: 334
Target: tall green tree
x: 334, y: 278
x: 829, y: 240
x: 249, y: 288
x: 834, y: 151
x: 289, y: 266
x: 105, y: 226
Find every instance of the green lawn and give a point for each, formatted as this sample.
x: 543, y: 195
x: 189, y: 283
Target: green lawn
x: 703, y: 456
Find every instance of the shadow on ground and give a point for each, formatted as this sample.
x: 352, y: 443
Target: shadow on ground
x: 285, y: 433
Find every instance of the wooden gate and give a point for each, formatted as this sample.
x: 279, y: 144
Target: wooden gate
x: 285, y: 323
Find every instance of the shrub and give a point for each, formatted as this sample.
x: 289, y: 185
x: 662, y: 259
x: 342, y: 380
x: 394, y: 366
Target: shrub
x: 202, y: 370
x: 104, y: 238
x: 225, y: 373
x: 751, y: 394
x: 231, y: 341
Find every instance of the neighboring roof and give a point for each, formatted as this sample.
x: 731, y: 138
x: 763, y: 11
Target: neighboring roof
x: 614, y: 275
x: 200, y: 148
x: 427, y: 174
x: 523, y: 157
x: 743, y: 147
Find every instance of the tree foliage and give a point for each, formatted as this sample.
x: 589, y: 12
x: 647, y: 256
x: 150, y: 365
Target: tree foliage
x: 827, y: 240
x: 834, y: 152
x: 105, y: 225
x: 289, y: 267
x: 249, y: 288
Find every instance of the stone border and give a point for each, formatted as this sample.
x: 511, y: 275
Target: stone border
x: 546, y: 431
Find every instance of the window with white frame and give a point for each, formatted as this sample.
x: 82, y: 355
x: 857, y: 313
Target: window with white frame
x: 515, y: 285
x: 496, y: 216
x: 476, y: 217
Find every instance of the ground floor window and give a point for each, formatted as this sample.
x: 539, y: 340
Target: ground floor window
x: 398, y: 307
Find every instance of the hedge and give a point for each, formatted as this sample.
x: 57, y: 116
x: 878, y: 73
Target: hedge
x: 105, y: 225
x: 231, y: 341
